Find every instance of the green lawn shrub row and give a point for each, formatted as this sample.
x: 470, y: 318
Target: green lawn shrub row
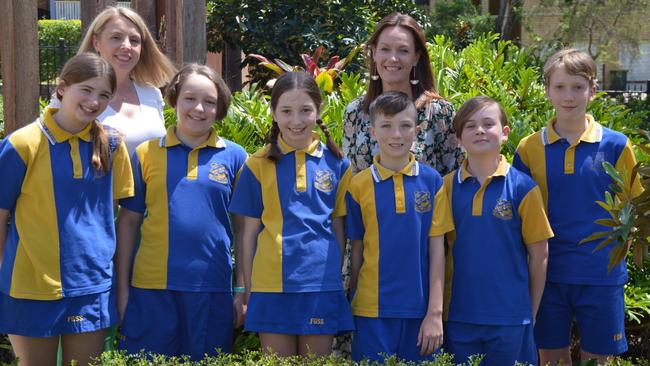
x: 49, y: 33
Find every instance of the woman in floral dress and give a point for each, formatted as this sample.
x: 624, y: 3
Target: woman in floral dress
x: 398, y: 60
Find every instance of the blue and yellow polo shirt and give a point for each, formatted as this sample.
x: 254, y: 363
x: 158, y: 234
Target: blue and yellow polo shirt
x: 487, y: 260
x: 61, y: 237
x: 571, y: 178
x: 394, y: 214
x: 296, y: 199
x: 186, y: 233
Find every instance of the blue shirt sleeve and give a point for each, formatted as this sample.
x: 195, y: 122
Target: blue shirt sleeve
x: 518, y: 164
x: 247, y: 198
x: 12, y: 170
x: 137, y: 202
x: 354, y: 220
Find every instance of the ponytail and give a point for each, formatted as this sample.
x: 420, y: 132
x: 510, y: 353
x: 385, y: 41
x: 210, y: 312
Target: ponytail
x: 274, y: 153
x: 331, y: 145
x: 101, y: 149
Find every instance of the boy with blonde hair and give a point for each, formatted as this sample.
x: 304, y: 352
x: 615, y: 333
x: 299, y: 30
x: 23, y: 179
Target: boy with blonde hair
x: 566, y: 160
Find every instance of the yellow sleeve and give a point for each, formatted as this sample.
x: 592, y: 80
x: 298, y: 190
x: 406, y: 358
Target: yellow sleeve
x: 340, y: 209
x: 122, y: 174
x: 443, y: 220
x: 534, y: 223
x: 626, y: 161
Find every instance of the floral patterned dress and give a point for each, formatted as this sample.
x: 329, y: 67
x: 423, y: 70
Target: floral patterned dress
x: 436, y: 145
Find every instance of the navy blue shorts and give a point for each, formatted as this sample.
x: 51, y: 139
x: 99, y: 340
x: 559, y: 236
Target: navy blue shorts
x: 47, y: 318
x: 499, y: 344
x: 299, y: 313
x: 598, y: 310
x: 377, y: 338
x: 176, y: 323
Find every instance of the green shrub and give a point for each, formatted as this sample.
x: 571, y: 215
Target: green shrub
x: 461, y: 21
x: 641, y: 106
x: 284, y: 30
x: 256, y: 358
x: 49, y: 33
x: 503, y: 71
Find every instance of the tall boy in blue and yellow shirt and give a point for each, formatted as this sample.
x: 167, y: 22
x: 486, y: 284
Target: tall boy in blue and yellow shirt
x: 496, y: 262
x: 397, y: 216
x: 566, y: 159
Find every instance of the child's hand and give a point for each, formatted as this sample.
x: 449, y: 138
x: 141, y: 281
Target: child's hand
x: 122, y: 300
x: 430, y: 335
x: 239, y: 307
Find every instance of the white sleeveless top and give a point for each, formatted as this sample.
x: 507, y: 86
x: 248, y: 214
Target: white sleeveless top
x: 148, y: 124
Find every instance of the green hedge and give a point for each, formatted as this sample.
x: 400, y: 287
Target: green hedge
x: 256, y: 358
x: 250, y: 358
x: 283, y: 30
x: 49, y: 33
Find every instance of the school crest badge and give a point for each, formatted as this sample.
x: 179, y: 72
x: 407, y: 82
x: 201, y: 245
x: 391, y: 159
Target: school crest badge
x: 598, y: 159
x: 423, y: 201
x: 503, y: 209
x: 324, y: 180
x: 218, y: 173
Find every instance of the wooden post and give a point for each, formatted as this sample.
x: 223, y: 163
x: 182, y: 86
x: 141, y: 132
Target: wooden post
x: 90, y: 8
x: 147, y: 10
x: 232, y: 67
x: 19, y: 38
x: 185, y: 37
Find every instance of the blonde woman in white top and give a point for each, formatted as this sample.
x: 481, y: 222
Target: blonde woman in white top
x: 121, y: 37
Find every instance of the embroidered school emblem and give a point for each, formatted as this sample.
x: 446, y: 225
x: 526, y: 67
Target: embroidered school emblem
x: 598, y: 159
x: 423, y: 201
x: 324, y: 180
x: 218, y: 173
x: 503, y: 209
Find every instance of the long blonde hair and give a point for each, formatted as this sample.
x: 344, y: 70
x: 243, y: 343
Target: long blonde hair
x: 154, y: 67
x: 78, y: 69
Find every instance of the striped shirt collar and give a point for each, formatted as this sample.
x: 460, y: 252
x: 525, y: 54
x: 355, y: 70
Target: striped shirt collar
x: 380, y: 173
x: 502, y: 169
x: 55, y: 133
x: 171, y: 139
x: 315, y: 148
x: 593, y: 133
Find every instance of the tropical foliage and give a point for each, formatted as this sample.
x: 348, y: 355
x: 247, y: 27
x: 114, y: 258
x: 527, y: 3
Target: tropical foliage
x: 284, y: 30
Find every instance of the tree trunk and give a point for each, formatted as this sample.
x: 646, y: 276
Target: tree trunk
x: 506, y: 18
x: 90, y: 8
x: 19, y: 41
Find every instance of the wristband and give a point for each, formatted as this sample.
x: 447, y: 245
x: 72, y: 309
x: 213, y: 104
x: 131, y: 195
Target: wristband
x: 239, y: 289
